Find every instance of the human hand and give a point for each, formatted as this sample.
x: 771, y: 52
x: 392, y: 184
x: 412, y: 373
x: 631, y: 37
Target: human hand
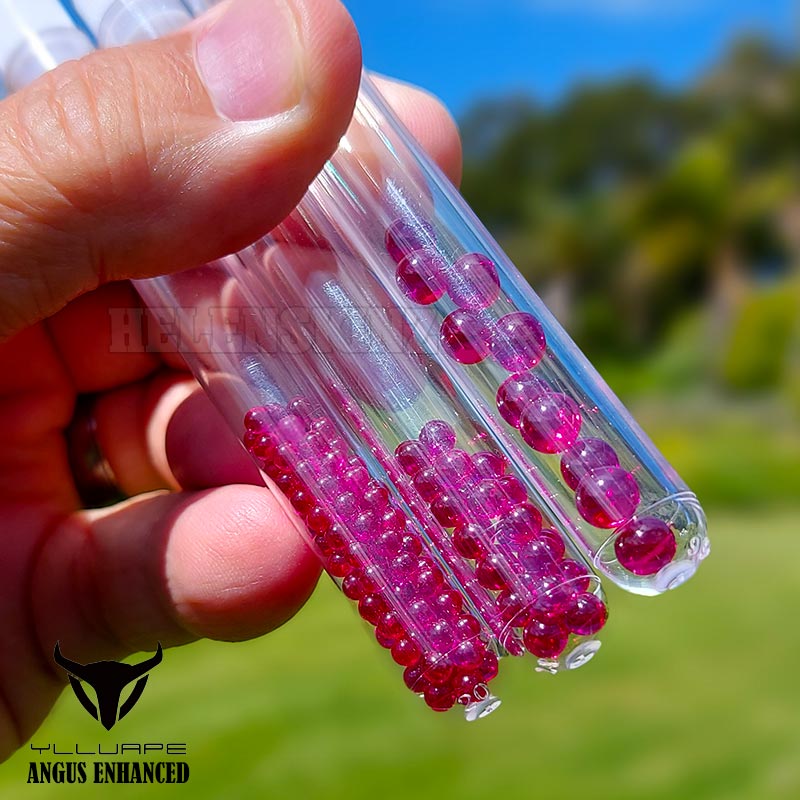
x: 128, y: 164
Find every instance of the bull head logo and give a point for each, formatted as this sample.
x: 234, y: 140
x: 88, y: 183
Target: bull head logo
x: 108, y: 679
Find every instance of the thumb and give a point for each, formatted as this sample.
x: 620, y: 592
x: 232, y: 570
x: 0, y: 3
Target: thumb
x: 166, y: 154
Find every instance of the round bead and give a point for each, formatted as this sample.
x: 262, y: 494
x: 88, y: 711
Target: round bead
x: 466, y: 626
x: 376, y: 497
x: 356, y: 585
x: 518, y: 341
x: 317, y: 520
x: 405, y: 652
x: 536, y: 559
x: 645, y: 545
x: 455, y: 467
x: 551, y: 423
x: 448, y: 603
x: 356, y: 479
x: 411, y: 544
x: 439, y: 698
x: 583, y: 457
x: 464, y: 337
x: 339, y: 564
x: 489, y: 573
x: 447, y: 510
x: 371, y: 607
x: 489, y: 496
x: 393, y: 519
x: 525, y: 517
x: 419, y: 276
x: 428, y: 484
x: 405, y: 236
x: 488, y: 669
x: 439, y: 672
x: 553, y: 542
x: 586, y: 614
x: 467, y: 655
x: 488, y: 464
x: 575, y: 574
x: 510, y: 606
x: 513, y: 489
x: 427, y: 580
x: 472, y: 282
x: 464, y: 687
x: 468, y: 541
x: 607, y: 497
x: 412, y: 457
x: 441, y: 636
x: 545, y: 636
x: 413, y: 677
x: 437, y: 436
x: 515, y: 393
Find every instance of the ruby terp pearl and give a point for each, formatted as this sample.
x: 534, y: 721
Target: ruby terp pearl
x: 551, y: 423
x: 515, y: 393
x: 465, y: 337
x: 645, y: 545
x: 583, y: 457
x: 405, y: 236
x: 437, y: 436
x: 586, y: 614
x: 472, y: 282
x: 518, y: 341
x: 419, y: 276
x: 545, y: 636
x: 607, y: 497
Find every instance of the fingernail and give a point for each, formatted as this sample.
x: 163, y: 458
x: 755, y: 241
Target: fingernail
x: 250, y: 59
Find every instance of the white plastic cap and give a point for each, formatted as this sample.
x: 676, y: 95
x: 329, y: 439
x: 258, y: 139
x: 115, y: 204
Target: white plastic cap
x: 119, y: 22
x: 35, y: 36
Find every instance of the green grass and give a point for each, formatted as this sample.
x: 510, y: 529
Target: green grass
x: 694, y: 695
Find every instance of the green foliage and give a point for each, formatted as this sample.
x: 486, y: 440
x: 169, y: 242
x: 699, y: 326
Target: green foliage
x: 757, y: 353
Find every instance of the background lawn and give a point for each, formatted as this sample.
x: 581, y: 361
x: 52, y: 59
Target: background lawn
x: 693, y: 695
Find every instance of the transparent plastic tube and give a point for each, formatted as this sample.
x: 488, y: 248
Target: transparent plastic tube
x: 427, y: 418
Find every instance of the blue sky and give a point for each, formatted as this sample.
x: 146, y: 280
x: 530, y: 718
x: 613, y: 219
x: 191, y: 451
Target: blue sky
x: 465, y: 49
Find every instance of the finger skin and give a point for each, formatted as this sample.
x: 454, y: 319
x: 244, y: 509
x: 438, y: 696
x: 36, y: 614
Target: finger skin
x: 118, y: 165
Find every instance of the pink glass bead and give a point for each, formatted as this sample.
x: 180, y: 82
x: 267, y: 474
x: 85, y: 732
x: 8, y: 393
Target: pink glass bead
x: 607, y: 497
x: 489, y: 496
x: 512, y: 642
x: 372, y: 607
x: 448, y: 603
x: 510, y: 538
x: 467, y: 655
x: 577, y: 575
x: 437, y: 436
x: 536, y: 559
x: 545, y: 636
x: 423, y: 613
x: 412, y: 456
x: 472, y: 282
x: 583, y: 457
x: 428, y: 484
x: 302, y: 408
x: 439, y: 673
x: 447, y: 510
x: 357, y: 584
x: 390, y: 624
x: 302, y: 500
x: 291, y: 429
x: 403, y: 564
x: 553, y: 542
x: 551, y: 423
x: 518, y: 341
x: 419, y: 276
x: 525, y: 517
x: 464, y: 687
x: 346, y: 505
x: 376, y: 497
x: 441, y: 636
x: 339, y: 565
x: 645, y: 545
x: 387, y: 544
x: 468, y: 541
x: 413, y: 677
x: 455, y: 467
x: 511, y: 606
x: 488, y: 669
x: 384, y: 638
x: 355, y: 479
x: 513, y: 489
x: 489, y: 573
x: 263, y: 447
x: 464, y: 337
x: 405, y: 652
x: 488, y: 464
x: 427, y: 580
x: 317, y: 520
x: 466, y: 626
x: 405, y: 236
x: 393, y: 519
x: 586, y: 614
x: 439, y: 698
x: 515, y: 393
x: 411, y: 544
x: 324, y: 427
